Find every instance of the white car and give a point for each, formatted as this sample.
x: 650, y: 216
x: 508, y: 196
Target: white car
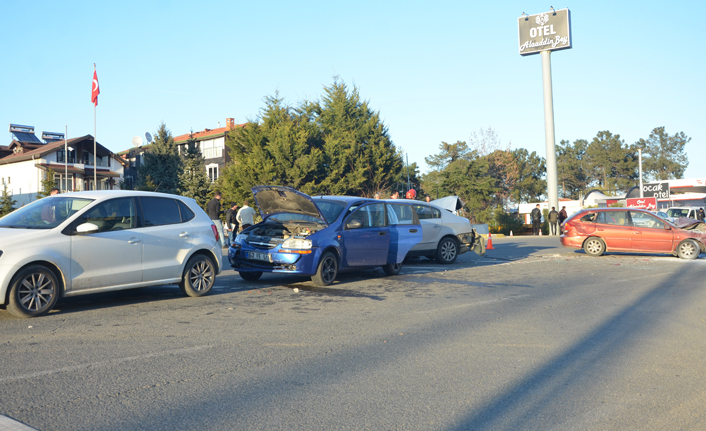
x: 445, y: 235
x: 87, y: 242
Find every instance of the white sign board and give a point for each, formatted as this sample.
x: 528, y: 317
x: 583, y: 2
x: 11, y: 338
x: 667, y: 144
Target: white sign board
x: 548, y: 31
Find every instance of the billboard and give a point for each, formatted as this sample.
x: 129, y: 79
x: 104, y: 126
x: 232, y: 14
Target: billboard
x: 548, y: 31
x: 657, y: 190
x: 643, y: 203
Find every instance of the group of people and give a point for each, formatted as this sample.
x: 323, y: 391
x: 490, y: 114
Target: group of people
x: 411, y: 194
x: 236, y: 219
x: 555, y: 219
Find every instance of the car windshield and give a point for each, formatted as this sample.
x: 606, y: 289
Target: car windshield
x: 678, y: 212
x: 294, y: 217
x: 46, y: 213
x: 330, y: 209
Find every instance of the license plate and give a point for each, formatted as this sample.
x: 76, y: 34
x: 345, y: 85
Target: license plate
x: 253, y: 255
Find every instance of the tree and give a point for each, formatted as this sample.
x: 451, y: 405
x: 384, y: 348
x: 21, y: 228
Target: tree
x: 48, y: 183
x: 573, y: 168
x: 613, y: 163
x: 530, y: 184
x: 162, y: 163
x: 358, y: 154
x: 449, y: 153
x: 7, y: 204
x: 663, y: 156
x: 193, y: 181
x: 469, y: 179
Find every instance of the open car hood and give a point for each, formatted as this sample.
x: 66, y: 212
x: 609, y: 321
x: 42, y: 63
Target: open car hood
x: 277, y: 199
x: 686, y: 223
x: 449, y: 203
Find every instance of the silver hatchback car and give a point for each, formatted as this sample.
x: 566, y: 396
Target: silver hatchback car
x: 87, y: 242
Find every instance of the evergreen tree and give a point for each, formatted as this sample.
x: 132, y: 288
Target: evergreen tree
x: 530, y: 184
x: 573, y: 167
x: 613, y: 162
x: 162, y: 163
x: 7, y: 204
x: 193, y: 181
x: 48, y: 183
x: 663, y: 156
x: 359, y: 156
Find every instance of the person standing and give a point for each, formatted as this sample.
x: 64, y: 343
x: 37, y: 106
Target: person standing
x: 213, y: 209
x: 553, y: 219
x: 231, y: 222
x: 376, y: 196
x: 245, y: 216
x: 562, y: 216
x: 428, y: 199
x: 700, y: 214
x: 536, y: 216
x: 395, y: 195
x: 53, y: 191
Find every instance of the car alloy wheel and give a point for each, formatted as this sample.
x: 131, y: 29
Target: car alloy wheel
x: 392, y: 268
x: 327, y: 271
x: 688, y: 249
x: 594, y: 247
x: 447, y: 251
x: 34, y: 292
x: 199, y: 277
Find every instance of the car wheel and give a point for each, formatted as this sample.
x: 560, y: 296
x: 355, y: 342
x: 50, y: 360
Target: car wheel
x: 250, y: 275
x: 688, y: 249
x: 392, y: 268
x: 594, y: 246
x: 33, y: 292
x: 327, y: 271
x: 199, y: 276
x: 447, y: 251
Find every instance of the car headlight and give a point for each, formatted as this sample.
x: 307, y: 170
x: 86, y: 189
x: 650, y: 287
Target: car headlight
x: 297, y: 244
x: 240, y: 238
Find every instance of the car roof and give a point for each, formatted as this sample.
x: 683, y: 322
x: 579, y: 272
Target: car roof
x: 102, y: 194
x: 343, y: 198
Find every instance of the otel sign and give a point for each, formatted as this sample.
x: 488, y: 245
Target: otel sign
x: 547, y: 31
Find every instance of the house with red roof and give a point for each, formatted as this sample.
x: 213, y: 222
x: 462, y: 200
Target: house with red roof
x: 25, y: 162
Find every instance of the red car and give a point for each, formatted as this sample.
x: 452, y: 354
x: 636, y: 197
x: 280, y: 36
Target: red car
x: 598, y: 230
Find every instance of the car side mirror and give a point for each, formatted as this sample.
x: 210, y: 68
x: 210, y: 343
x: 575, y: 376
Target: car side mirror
x: 667, y: 227
x: 354, y: 224
x: 86, y: 228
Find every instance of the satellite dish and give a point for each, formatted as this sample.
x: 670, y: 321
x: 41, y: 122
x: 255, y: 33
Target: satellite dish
x: 136, y: 141
x: 148, y: 136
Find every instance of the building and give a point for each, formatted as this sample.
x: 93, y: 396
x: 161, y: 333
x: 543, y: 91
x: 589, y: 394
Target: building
x: 25, y: 162
x: 211, y: 142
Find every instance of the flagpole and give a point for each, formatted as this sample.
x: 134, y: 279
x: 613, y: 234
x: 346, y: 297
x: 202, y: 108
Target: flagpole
x: 95, y: 168
x: 66, y: 159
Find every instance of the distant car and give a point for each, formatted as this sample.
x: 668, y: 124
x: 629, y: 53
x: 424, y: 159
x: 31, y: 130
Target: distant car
x: 320, y: 236
x: 682, y: 212
x: 87, y: 242
x: 446, y: 235
x: 599, y: 230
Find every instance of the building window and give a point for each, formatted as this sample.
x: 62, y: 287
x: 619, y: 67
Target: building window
x: 212, y: 172
x: 212, y: 148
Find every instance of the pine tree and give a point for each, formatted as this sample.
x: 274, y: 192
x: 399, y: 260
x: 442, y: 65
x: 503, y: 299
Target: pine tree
x: 7, y: 204
x: 193, y: 181
x: 663, y: 156
x: 162, y: 163
x: 48, y: 183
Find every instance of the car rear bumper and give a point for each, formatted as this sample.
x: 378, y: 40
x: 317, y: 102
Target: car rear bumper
x: 572, y: 241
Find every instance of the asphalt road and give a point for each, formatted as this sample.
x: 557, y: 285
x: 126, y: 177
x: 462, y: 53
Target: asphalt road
x: 531, y: 337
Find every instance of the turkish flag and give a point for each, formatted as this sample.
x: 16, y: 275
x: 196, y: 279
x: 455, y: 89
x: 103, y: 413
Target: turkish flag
x: 96, y: 90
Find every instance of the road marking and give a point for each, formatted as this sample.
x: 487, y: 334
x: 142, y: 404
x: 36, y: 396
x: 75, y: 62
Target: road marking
x: 7, y: 424
x: 101, y: 364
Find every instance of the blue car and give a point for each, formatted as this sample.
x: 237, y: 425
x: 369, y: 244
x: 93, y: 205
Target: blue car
x: 322, y: 235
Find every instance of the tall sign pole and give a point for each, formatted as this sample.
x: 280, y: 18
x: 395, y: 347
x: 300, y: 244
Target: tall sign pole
x: 541, y: 34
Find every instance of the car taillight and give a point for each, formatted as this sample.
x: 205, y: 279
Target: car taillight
x: 215, y: 232
x: 568, y: 227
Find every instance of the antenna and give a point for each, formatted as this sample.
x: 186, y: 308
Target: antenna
x: 136, y: 141
x: 148, y: 137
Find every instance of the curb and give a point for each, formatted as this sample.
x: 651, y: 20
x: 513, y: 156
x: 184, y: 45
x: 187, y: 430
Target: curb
x: 495, y: 235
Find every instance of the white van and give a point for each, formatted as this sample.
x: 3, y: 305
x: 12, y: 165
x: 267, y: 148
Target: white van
x: 688, y: 212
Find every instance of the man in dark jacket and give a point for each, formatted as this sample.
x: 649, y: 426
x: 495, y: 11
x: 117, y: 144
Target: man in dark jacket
x: 536, y: 216
x: 231, y: 222
x: 213, y: 209
x: 553, y: 219
x: 562, y: 216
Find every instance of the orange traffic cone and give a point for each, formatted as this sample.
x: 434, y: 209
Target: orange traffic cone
x: 510, y: 233
x: 540, y: 232
x: 490, y: 242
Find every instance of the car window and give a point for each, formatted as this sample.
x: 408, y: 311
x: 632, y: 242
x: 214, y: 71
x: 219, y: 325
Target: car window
x: 678, y: 212
x: 617, y: 218
x: 426, y: 212
x: 45, y: 213
x: 401, y: 214
x: 640, y: 219
x: 589, y: 218
x: 186, y: 213
x: 115, y: 214
x: 372, y: 215
x: 330, y: 209
x: 160, y: 211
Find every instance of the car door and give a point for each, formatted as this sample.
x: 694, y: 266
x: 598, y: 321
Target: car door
x: 167, y: 239
x: 650, y: 233
x: 113, y: 255
x: 369, y: 244
x: 405, y: 231
x: 615, y: 229
x: 430, y: 219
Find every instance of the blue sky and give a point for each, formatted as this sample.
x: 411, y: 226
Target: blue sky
x: 436, y: 71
